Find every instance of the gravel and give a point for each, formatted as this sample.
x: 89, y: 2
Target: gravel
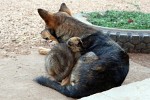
x: 20, y: 23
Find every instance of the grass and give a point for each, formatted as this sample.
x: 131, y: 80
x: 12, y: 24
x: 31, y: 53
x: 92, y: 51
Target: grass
x: 120, y: 19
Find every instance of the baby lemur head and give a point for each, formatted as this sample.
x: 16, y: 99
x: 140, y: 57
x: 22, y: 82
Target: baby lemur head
x: 75, y: 44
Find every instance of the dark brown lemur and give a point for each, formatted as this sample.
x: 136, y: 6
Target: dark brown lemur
x: 62, y: 58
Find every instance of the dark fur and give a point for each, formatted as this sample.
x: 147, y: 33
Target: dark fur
x: 59, y: 61
x: 105, y: 73
x: 62, y: 58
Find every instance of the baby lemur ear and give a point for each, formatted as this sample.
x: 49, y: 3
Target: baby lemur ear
x: 64, y: 8
x: 80, y: 42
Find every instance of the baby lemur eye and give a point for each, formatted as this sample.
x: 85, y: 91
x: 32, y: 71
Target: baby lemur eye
x: 69, y: 43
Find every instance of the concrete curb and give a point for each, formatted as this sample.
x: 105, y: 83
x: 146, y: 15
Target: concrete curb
x: 137, y: 41
x: 133, y: 91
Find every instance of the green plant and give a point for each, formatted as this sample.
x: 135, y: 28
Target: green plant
x: 120, y: 19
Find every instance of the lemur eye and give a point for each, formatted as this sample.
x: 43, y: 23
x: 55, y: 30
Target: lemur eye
x: 46, y: 38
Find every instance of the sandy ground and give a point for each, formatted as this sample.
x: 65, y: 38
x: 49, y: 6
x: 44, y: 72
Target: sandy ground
x: 142, y: 59
x: 20, y: 26
x: 17, y: 74
x: 20, y: 23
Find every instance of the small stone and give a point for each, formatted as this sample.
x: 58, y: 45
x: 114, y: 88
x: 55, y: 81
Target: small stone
x: 146, y: 39
x: 123, y: 38
x: 135, y: 39
x: 140, y: 46
x: 128, y: 46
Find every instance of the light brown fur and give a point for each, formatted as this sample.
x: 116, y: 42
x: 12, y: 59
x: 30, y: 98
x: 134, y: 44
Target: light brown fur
x: 75, y: 44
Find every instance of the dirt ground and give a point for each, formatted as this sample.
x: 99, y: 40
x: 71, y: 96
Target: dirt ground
x: 20, y: 23
x: 20, y: 62
x: 142, y: 59
x: 17, y: 74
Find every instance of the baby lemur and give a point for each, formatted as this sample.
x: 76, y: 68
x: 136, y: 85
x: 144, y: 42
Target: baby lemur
x: 62, y: 58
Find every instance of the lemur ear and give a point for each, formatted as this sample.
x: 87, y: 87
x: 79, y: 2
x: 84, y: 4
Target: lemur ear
x: 45, y: 15
x: 48, y: 17
x: 64, y: 8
